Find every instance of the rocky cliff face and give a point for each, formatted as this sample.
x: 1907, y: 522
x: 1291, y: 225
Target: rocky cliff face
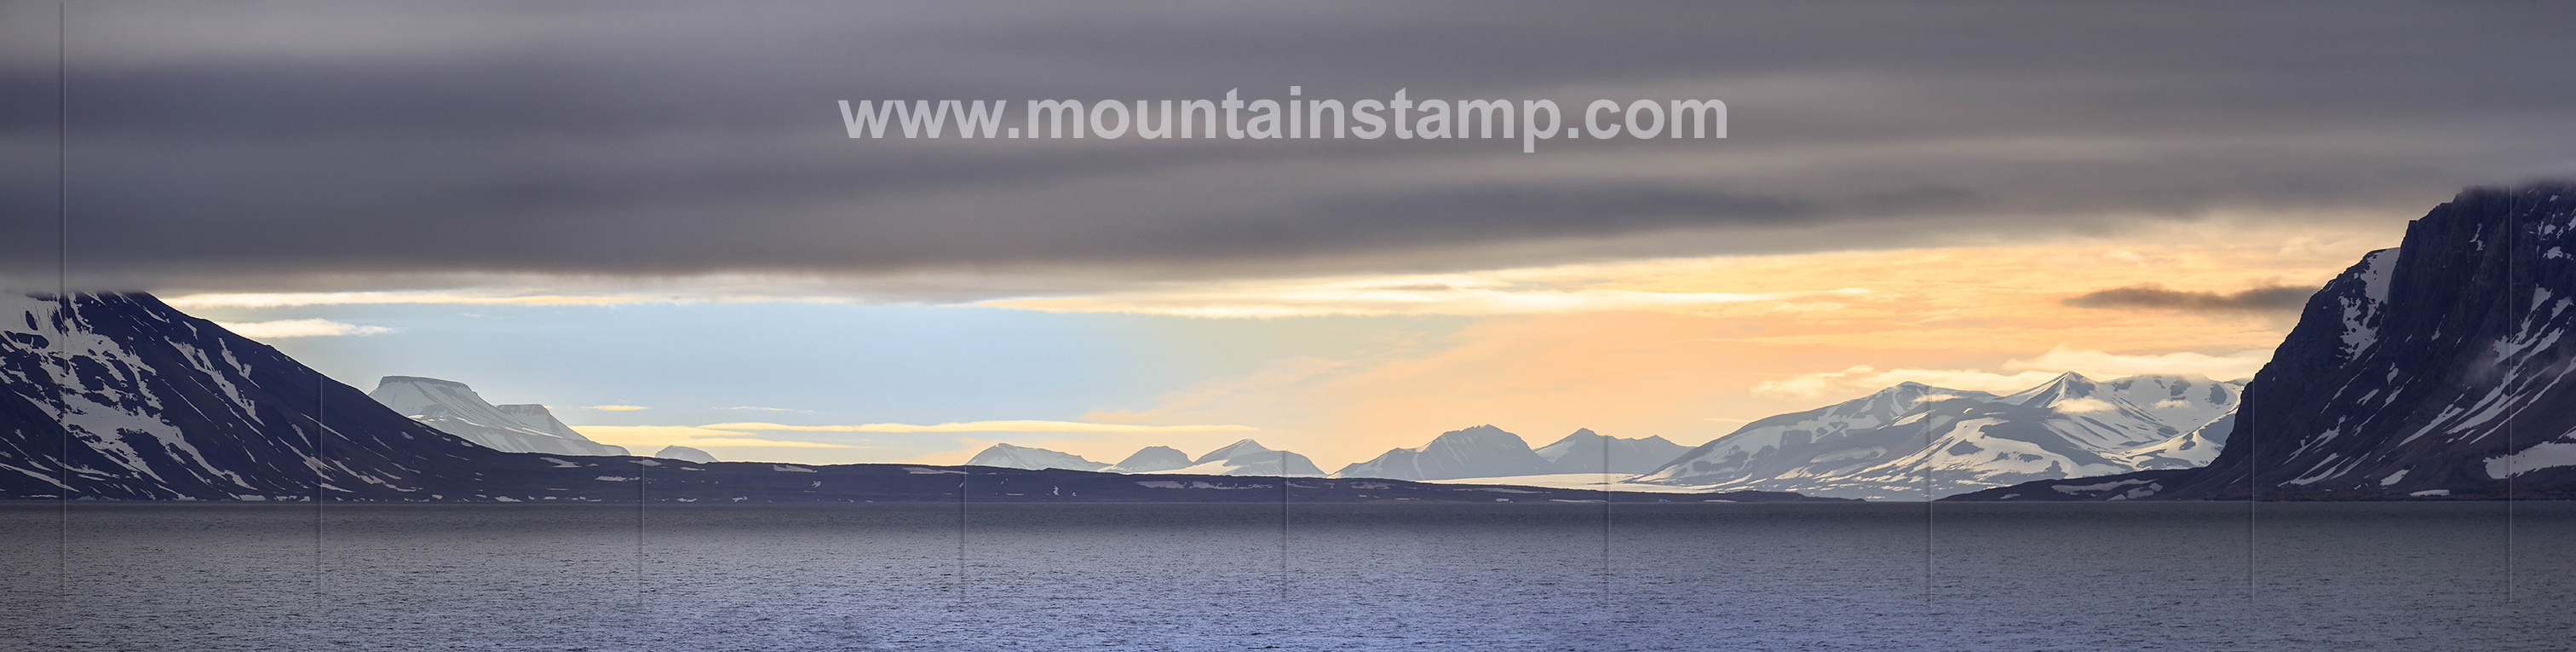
x: 2438, y: 368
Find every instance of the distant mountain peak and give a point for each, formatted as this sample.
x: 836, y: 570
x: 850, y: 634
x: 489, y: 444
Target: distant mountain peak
x: 2065, y: 385
x: 1475, y: 452
x: 1152, y: 458
x: 1012, y: 456
x: 684, y: 453
x: 1239, y: 448
x: 1585, y: 451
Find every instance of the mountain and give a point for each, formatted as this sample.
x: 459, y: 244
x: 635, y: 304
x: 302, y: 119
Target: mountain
x: 455, y: 409
x: 1239, y: 448
x: 2097, y: 418
x: 1021, y: 457
x: 1248, y: 457
x: 1152, y: 458
x: 120, y: 397
x: 1903, y: 441
x: 2439, y: 368
x: 1816, y: 446
x: 685, y: 454
x: 2191, y: 450
x: 1586, y: 452
x: 2191, y: 399
x: 1479, y: 452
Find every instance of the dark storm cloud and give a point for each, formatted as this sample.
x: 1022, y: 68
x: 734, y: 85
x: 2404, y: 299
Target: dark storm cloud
x: 237, y: 144
x: 2268, y: 298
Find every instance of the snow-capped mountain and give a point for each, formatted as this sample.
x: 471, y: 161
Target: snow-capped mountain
x: 685, y: 454
x: 2100, y: 419
x: 455, y: 409
x: 1817, y: 443
x: 1245, y: 457
x: 1479, y: 452
x: 2179, y: 399
x: 1152, y: 458
x: 2191, y: 450
x: 1902, y: 441
x: 1589, y: 452
x: 1248, y: 457
x: 1022, y: 457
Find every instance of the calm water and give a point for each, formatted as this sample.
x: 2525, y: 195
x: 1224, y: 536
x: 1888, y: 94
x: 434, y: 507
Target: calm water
x: 2339, y: 577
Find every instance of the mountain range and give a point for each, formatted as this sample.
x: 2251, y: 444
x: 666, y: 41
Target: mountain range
x: 1243, y: 457
x: 119, y: 396
x: 1489, y: 452
x: 1589, y: 452
x: 2436, y: 369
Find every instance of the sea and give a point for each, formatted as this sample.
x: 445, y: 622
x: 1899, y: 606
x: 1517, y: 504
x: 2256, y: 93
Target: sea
x: 2339, y: 577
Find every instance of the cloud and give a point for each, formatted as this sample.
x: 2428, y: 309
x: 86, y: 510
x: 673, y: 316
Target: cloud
x: 617, y: 408
x: 1563, y: 289
x: 1867, y: 378
x: 303, y: 328
x: 2097, y: 365
x: 2083, y: 405
x: 2263, y: 298
x: 562, y: 141
x: 984, y: 426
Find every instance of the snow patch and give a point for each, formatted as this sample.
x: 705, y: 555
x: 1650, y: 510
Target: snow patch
x: 2544, y: 456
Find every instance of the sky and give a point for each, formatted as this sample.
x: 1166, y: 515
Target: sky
x: 648, y: 216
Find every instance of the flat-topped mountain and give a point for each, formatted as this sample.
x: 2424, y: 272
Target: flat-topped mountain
x: 456, y: 409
